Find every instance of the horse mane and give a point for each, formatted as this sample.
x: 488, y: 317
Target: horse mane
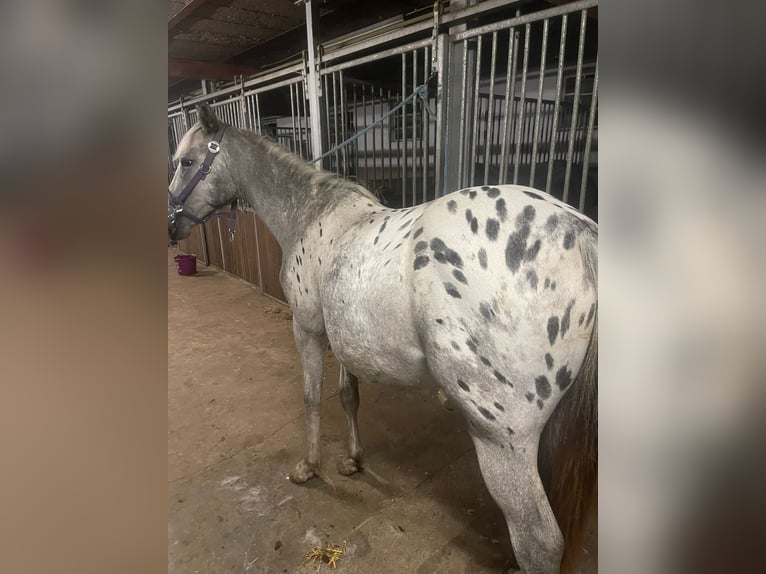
x: 322, y: 180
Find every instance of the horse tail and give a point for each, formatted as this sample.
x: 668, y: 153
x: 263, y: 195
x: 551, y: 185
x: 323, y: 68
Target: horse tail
x: 569, y: 455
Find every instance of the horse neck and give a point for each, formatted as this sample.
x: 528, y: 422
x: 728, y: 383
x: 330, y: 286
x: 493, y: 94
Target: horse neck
x: 279, y: 189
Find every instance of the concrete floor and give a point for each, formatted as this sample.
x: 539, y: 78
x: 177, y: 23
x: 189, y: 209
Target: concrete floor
x: 236, y: 429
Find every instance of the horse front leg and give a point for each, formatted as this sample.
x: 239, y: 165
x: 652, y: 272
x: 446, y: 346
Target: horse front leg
x: 349, y: 398
x: 311, y: 348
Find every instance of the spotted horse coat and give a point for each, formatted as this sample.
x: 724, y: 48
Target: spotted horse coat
x: 488, y: 293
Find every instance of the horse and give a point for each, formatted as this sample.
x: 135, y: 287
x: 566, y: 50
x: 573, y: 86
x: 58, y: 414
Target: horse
x: 487, y: 294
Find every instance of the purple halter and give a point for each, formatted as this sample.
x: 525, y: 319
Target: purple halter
x: 177, y: 203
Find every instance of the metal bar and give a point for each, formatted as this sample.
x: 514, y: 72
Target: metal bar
x: 366, y: 147
x: 300, y: 95
x: 383, y: 54
x: 326, y: 99
x: 522, y: 106
x: 356, y: 141
x: 404, y: 132
x: 414, y: 130
x: 541, y: 82
x: 292, y: 117
x: 390, y: 146
x: 382, y: 146
x: 526, y: 19
x: 476, y: 106
x: 343, y: 126
x: 509, y: 95
x: 203, y: 239
x: 373, y: 140
x: 313, y: 85
x: 575, y: 104
x: 556, y: 105
x: 335, y: 121
x: 490, y: 109
x: 589, y: 139
x: 424, y: 131
x: 258, y: 112
x: 462, y: 116
x: 442, y: 104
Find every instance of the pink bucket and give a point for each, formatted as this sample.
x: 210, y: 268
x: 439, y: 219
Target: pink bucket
x: 186, y: 264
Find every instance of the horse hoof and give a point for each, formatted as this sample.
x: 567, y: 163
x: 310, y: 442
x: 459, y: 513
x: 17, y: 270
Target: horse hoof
x: 348, y: 466
x: 303, y: 472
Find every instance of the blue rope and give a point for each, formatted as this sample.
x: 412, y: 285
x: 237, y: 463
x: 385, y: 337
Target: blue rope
x: 420, y: 92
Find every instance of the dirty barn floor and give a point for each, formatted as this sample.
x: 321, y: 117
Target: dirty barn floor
x: 236, y: 429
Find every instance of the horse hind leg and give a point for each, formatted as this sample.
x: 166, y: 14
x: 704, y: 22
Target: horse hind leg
x: 513, y: 481
x: 349, y: 398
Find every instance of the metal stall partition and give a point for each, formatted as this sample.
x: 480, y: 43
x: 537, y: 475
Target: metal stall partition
x: 528, y: 100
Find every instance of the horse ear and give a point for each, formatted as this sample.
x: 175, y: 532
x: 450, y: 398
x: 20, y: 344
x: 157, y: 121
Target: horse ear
x: 208, y: 119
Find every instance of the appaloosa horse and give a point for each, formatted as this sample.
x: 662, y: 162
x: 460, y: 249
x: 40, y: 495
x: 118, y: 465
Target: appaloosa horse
x: 489, y: 293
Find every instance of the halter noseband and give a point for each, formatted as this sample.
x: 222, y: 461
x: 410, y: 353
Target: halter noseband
x: 177, y: 203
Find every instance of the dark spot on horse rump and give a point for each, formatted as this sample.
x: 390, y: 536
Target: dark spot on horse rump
x: 530, y: 397
x: 397, y: 246
x: 486, y: 361
x: 552, y: 223
x: 547, y: 283
x: 382, y: 227
x: 566, y: 318
x: 468, y: 216
x: 369, y: 205
x: 553, y: 329
x: 463, y: 386
x: 533, y: 195
x: 486, y: 311
x: 483, y: 258
x: 492, y: 192
x: 376, y: 240
x: 532, y: 278
x: 474, y: 339
x: 590, y: 314
x: 452, y: 206
x: 440, y: 321
x: 543, y: 387
x: 500, y: 377
x: 492, y: 228
x: 455, y: 345
x: 320, y: 232
x: 563, y: 377
x: 437, y: 244
x: 420, y: 246
x: 298, y: 276
x: 387, y: 262
x: 548, y: 361
x: 499, y: 407
x: 510, y: 430
x: 420, y: 262
x: 475, y: 226
x: 439, y: 256
x: 472, y: 194
x: 452, y: 290
x: 532, y: 252
x: 459, y: 276
x: 406, y: 235
x: 580, y: 321
x: 502, y: 211
x: 471, y: 345
x: 303, y: 250
x: 526, y: 216
x: 540, y: 404
x: 453, y: 258
x: 306, y: 290
x: 297, y: 261
x: 320, y: 260
x: 553, y: 286
x: 417, y: 233
x: 516, y: 247
x: 569, y: 239
x: 386, y: 245
x: 387, y: 218
x: 485, y: 188
x: 464, y: 191
x: 484, y: 412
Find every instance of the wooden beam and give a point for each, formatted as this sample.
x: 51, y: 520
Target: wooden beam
x: 192, y: 69
x: 184, y: 13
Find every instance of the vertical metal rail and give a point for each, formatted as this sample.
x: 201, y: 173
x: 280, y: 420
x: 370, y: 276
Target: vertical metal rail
x: 424, y: 134
x: 556, y: 105
x: 541, y: 82
x: 522, y: 106
x: 442, y: 104
x: 509, y: 95
x: 373, y: 133
x: 292, y: 117
x: 414, y: 129
x: 335, y: 121
x: 476, y: 106
x: 366, y: 136
x: 588, y: 139
x: 355, y: 115
x: 390, y: 147
x: 575, y: 104
x: 382, y: 145
x: 299, y: 136
x: 313, y: 80
x: 490, y: 110
x: 404, y: 132
x: 258, y: 113
x: 343, y: 126
x: 461, y: 143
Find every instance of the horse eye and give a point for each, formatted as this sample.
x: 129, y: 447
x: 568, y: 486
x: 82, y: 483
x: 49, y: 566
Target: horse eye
x: 186, y: 162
